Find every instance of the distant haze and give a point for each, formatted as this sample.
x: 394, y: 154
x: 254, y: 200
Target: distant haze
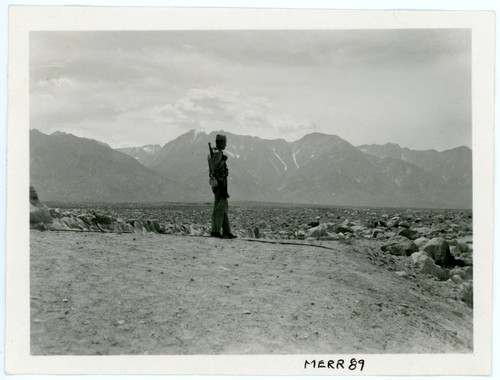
x: 410, y: 87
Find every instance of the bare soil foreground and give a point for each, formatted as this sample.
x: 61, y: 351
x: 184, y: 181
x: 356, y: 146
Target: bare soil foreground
x: 147, y: 293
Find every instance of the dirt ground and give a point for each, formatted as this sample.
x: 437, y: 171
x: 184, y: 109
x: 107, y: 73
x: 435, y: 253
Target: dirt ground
x: 108, y: 294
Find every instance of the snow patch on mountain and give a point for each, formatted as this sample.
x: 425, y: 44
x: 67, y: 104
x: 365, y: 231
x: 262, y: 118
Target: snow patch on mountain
x: 295, y: 158
x: 196, y: 133
x: 237, y: 155
x: 279, y: 158
x: 151, y: 148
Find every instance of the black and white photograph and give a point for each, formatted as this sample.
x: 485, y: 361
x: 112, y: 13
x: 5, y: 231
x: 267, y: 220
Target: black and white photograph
x: 252, y: 191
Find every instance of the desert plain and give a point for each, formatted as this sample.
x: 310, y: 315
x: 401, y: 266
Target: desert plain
x: 148, y: 280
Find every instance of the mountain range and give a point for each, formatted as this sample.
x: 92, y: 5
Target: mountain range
x: 64, y: 167
x: 317, y: 169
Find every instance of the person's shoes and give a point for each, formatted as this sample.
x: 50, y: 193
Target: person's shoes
x: 229, y: 236
x: 216, y: 234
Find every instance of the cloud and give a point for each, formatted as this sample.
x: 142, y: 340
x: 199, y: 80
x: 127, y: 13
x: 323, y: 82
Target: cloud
x: 221, y: 108
x: 360, y: 84
x: 56, y: 102
x: 287, y: 125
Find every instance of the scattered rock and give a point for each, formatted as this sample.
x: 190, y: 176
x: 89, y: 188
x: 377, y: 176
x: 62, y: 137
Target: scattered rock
x: 416, y: 257
x: 300, y: 235
x: 55, y: 213
x: 409, y: 234
x: 457, y: 279
x: 439, y: 250
x: 458, y: 272
x: 104, y: 219
x: 393, y: 222
x: 317, y: 232
x: 404, y: 224
x: 463, y: 247
x: 428, y: 266
x: 465, y: 292
x: 39, y: 212
x: 400, y: 247
x: 394, y: 248
x: 342, y: 229
x: 193, y: 230
x: 408, y: 246
x: 462, y: 254
x: 421, y: 242
x: 87, y: 218
x: 468, y: 273
x: 357, y: 228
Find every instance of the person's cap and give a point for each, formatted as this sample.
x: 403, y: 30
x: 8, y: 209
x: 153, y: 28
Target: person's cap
x: 220, y: 137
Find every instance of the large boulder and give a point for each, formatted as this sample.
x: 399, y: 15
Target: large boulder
x: 439, y: 250
x: 409, y: 246
x: 404, y: 224
x: 144, y: 225
x: 121, y: 226
x: 393, y: 248
x: 423, y: 231
x: 409, y: 234
x: 462, y: 254
x: 39, y: 212
x: 69, y: 223
x: 378, y: 233
x: 421, y: 242
x: 394, y: 222
x: 427, y: 266
x: 342, y: 229
x: 88, y: 219
x: 400, y: 247
x: 104, y: 219
x: 417, y: 257
x: 317, y: 232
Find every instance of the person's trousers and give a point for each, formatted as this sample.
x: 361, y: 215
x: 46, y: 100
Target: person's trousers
x: 220, y: 217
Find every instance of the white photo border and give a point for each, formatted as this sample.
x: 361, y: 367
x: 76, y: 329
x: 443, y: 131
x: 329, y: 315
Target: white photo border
x: 23, y: 19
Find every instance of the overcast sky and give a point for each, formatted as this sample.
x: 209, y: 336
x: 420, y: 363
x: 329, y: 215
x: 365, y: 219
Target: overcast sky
x: 410, y: 87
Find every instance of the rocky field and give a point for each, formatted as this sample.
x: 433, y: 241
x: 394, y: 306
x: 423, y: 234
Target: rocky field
x: 146, y: 279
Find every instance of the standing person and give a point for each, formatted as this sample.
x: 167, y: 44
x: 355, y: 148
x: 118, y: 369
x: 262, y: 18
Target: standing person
x: 218, y: 181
